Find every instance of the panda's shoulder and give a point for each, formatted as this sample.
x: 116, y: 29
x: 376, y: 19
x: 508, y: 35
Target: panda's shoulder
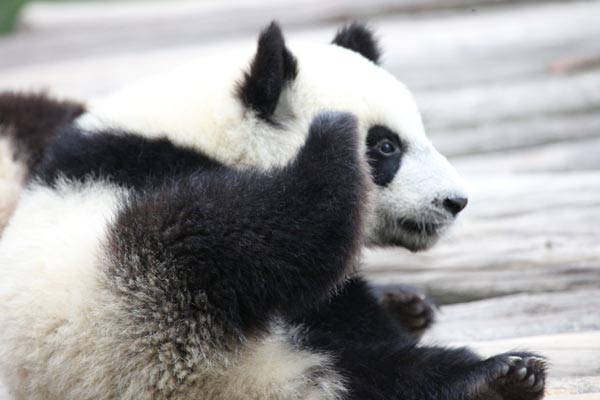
x: 121, y: 157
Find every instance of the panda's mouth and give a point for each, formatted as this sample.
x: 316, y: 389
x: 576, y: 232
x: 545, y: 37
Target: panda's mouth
x: 412, y: 234
x: 415, y: 235
x: 420, y: 228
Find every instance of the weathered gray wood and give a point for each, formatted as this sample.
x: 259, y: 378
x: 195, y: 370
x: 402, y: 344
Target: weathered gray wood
x: 524, y: 61
x: 529, y: 134
x: 574, y: 155
x: 542, y: 96
x: 489, y: 46
x: 519, y: 315
x: 574, y: 388
x: 96, y: 28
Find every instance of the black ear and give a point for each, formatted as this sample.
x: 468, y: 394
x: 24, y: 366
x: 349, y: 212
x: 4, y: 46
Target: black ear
x: 272, y: 68
x: 358, y: 38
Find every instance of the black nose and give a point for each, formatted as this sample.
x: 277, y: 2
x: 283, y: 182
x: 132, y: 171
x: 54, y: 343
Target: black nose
x: 455, y: 204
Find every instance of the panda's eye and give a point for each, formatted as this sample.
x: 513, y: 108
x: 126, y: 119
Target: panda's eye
x: 386, y: 147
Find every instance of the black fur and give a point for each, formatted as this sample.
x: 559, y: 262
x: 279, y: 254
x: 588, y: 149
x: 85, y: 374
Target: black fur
x: 33, y: 119
x: 382, y: 361
x: 122, y: 158
x: 244, y: 246
x: 358, y: 38
x: 384, y: 166
x: 272, y: 68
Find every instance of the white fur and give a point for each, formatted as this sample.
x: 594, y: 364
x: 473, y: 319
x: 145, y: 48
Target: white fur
x: 49, y: 289
x: 12, y: 177
x: 197, y: 106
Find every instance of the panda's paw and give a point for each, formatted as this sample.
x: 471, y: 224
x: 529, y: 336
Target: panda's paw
x: 410, y: 307
x: 518, y: 375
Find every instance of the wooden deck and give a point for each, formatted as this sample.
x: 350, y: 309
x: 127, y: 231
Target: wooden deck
x: 510, y: 92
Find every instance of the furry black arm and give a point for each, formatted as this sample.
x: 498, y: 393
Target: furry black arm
x: 237, y: 247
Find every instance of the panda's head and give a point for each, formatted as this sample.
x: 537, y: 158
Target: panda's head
x: 254, y: 109
x: 419, y: 193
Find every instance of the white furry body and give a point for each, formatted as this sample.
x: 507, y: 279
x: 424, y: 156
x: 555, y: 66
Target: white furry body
x: 66, y: 336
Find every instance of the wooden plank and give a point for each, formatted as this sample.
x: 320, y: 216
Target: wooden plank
x: 526, y: 60
x: 519, y: 315
x: 568, y: 156
x: 576, y: 388
x: 589, y: 396
x: 116, y: 27
x: 569, y: 131
x: 488, y: 46
x: 475, y: 105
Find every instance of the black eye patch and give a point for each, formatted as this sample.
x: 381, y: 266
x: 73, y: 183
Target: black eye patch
x: 384, y: 150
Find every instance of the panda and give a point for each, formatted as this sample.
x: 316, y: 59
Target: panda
x: 136, y: 268
x: 253, y: 109
x: 347, y: 345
